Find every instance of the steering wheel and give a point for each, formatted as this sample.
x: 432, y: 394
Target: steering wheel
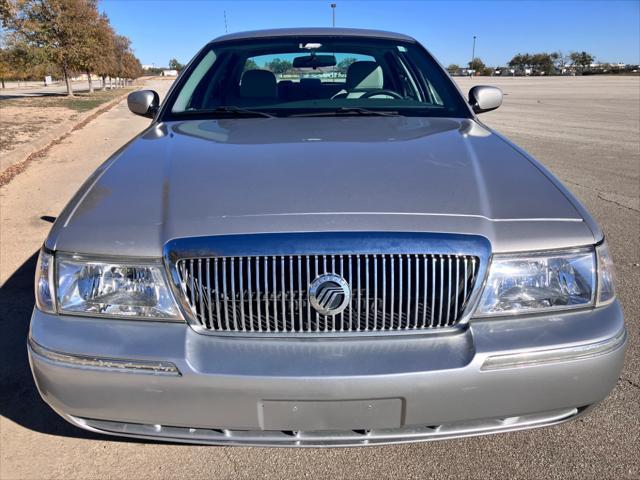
x: 382, y: 91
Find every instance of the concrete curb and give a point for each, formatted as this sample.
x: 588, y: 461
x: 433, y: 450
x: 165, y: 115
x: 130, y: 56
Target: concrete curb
x: 16, y: 161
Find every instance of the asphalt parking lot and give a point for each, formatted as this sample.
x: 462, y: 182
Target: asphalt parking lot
x: 585, y: 129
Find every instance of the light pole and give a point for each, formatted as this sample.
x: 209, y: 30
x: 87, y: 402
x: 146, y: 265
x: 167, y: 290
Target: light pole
x: 473, y: 53
x: 333, y: 13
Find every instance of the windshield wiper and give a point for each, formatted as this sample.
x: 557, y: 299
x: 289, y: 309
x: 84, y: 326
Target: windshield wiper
x: 228, y: 109
x: 348, y: 111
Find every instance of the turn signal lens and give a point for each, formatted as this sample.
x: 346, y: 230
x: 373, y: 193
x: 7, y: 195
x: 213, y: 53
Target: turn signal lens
x: 44, y: 283
x: 606, y: 276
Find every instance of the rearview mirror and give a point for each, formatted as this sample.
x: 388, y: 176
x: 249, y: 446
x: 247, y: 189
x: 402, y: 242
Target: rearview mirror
x: 143, y: 102
x: 484, y: 98
x: 314, y: 61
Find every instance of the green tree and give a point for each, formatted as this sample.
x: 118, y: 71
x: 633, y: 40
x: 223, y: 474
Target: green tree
x: 127, y: 66
x: 59, y: 28
x: 279, y: 66
x: 453, y: 69
x: 7, y: 11
x: 343, y: 65
x: 106, y: 62
x: 92, y: 51
x: 20, y: 61
x: 250, y: 64
x: 5, y: 66
x: 487, y: 71
x: 477, y: 64
x: 520, y: 61
x: 581, y: 60
x: 543, y: 63
x: 174, y: 64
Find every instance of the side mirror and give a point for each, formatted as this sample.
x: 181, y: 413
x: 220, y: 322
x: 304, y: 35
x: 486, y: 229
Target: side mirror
x: 143, y: 102
x: 483, y: 98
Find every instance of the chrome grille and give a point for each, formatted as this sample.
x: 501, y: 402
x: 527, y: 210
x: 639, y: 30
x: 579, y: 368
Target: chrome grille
x: 269, y: 294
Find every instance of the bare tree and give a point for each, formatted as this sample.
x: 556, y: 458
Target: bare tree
x: 562, y: 60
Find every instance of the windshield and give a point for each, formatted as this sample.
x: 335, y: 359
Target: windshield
x: 298, y: 76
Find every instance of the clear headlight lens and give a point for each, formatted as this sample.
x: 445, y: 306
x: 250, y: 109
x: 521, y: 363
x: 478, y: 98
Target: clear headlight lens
x: 114, y: 289
x: 44, y: 283
x: 539, y: 281
x: 606, y: 290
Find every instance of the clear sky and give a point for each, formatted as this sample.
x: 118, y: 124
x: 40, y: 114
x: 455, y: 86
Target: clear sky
x: 162, y: 29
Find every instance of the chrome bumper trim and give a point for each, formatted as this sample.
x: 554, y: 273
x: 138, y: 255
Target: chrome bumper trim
x: 554, y: 355
x: 103, y: 363
x: 327, y: 438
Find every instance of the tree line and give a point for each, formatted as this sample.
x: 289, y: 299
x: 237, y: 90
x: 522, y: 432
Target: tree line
x: 281, y: 67
x: 63, y: 38
x: 542, y: 63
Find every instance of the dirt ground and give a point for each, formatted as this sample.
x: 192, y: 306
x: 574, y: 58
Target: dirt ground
x: 24, y: 118
x: 586, y: 130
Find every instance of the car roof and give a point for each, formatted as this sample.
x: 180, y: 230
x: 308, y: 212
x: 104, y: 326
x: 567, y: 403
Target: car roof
x: 314, y: 32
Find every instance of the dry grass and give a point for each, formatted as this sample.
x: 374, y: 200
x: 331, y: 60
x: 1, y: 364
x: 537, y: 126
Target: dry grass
x: 24, y: 119
x: 80, y: 102
x: 10, y: 173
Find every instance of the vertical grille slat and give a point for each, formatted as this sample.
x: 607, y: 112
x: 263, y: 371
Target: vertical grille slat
x: 250, y: 294
x: 241, y: 292
x: 393, y: 294
x: 441, y: 301
x: 399, y: 292
x: 225, y: 297
x: 342, y: 275
x: 266, y: 295
x: 425, y: 284
x: 208, y: 289
x: 291, y: 295
x: 258, y: 295
x: 375, y: 292
x: 433, y: 291
x: 283, y: 300
x: 409, y: 286
x: 446, y: 322
x: 275, y: 294
x: 351, y: 283
x: 366, y: 294
x: 232, y: 278
x: 417, y: 298
x: 384, y: 293
x: 359, y: 274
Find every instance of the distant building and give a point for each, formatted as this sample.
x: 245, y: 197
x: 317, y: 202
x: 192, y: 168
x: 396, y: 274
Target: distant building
x: 612, y: 65
x: 169, y: 73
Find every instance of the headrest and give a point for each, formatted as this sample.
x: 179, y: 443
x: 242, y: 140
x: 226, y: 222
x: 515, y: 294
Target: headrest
x: 310, y: 82
x: 364, y: 75
x: 258, y: 84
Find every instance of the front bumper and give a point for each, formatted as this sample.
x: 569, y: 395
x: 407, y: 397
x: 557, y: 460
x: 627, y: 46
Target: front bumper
x: 318, y: 392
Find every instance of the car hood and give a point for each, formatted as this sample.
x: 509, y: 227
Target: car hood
x: 391, y: 173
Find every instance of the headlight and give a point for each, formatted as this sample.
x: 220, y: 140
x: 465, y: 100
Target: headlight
x: 136, y: 290
x: 539, y: 282
x: 44, y: 283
